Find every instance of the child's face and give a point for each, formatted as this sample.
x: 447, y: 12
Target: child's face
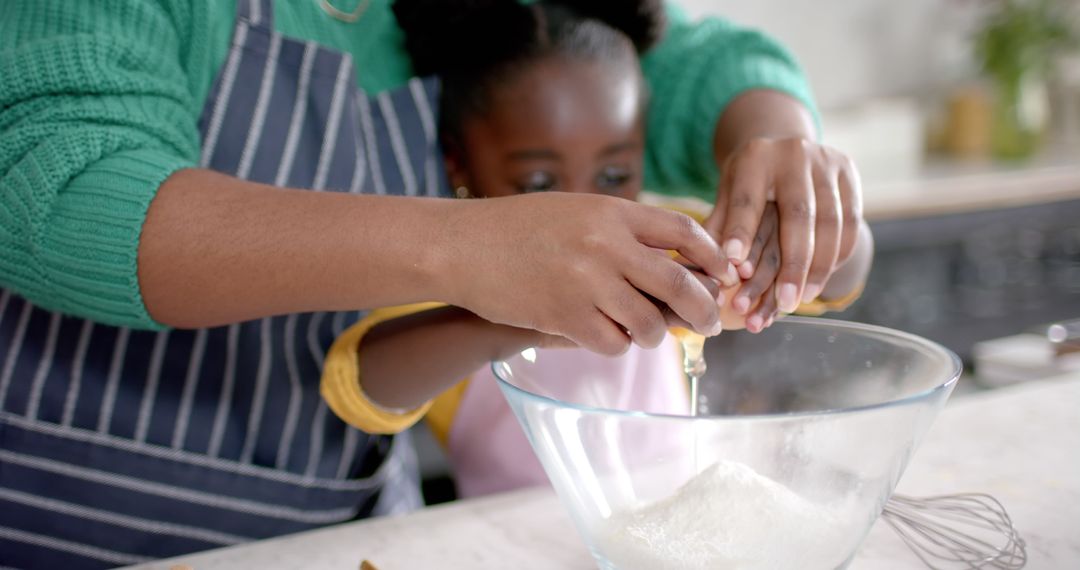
x: 561, y: 125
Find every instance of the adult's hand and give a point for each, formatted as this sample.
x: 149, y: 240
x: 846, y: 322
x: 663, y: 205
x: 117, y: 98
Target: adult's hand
x: 766, y: 151
x: 582, y: 267
x: 218, y: 250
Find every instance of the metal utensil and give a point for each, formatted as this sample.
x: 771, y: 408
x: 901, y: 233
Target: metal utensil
x: 1064, y: 336
x: 968, y: 530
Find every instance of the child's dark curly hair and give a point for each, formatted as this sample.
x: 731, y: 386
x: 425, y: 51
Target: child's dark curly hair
x: 474, y: 45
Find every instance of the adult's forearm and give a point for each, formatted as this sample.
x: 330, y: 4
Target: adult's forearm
x: 217, y: 250
x: 761, y: 114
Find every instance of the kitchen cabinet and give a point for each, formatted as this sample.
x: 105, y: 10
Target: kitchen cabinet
x: 973, y: 253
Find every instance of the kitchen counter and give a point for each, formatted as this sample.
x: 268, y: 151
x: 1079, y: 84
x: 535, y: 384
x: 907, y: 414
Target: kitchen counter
x: 969, y: 251
x: 955, y: 187
x: 1020, y: 444
x: 945, y: 186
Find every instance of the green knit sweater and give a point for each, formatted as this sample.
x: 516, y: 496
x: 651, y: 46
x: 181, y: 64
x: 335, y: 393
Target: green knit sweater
x: 99, y: 103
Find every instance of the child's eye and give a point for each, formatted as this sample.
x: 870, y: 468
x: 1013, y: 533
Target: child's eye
x: 538, y: 181
x: 614, y: 178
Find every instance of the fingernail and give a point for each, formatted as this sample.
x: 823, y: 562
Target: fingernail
x: 716, y: 329
x: 741, y: 304
x: 733, y: 248
x: 753, y: 324
x: 788, y: 297
x: 810, y: 293
x: 731, y: 276
x: 746, y: 270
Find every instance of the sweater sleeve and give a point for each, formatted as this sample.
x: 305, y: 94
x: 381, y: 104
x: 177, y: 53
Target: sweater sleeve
x: 693, y: 74
x: 96, y: 111
x: 341, y: 385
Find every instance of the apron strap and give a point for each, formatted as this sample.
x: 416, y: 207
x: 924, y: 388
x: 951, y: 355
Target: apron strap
x: 258, y: 13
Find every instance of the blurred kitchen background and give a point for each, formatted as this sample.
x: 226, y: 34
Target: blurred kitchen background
x: 964, y: 119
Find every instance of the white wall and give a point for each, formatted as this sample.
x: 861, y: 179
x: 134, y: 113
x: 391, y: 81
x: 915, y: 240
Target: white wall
x: 853, y: 49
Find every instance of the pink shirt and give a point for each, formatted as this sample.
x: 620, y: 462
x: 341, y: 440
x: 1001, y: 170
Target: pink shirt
x: 487, y: 447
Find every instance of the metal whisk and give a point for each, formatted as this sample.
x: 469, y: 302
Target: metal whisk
x: 969, y: 530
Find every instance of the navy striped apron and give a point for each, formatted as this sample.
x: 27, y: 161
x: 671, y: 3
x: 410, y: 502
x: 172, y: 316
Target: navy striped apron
x: 118, y: 446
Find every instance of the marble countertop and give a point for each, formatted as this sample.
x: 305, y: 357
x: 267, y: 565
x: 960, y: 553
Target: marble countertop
x: 1020, y: 444
x: 952, y: 186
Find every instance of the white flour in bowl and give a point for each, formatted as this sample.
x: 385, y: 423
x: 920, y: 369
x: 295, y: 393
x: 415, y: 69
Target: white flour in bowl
x: 728, y: 517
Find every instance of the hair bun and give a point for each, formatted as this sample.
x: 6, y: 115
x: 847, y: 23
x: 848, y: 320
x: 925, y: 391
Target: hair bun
x: 643, y: 21
x: 444, y: 37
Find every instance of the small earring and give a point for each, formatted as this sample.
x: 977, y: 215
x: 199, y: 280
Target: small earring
x: 462, y: 192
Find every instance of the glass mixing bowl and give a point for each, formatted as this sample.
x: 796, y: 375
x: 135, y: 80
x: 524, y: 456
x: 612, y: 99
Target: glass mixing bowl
x: 802, y: 434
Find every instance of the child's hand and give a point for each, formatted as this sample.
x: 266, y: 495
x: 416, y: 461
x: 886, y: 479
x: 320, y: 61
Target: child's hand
x: 756, y: 298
